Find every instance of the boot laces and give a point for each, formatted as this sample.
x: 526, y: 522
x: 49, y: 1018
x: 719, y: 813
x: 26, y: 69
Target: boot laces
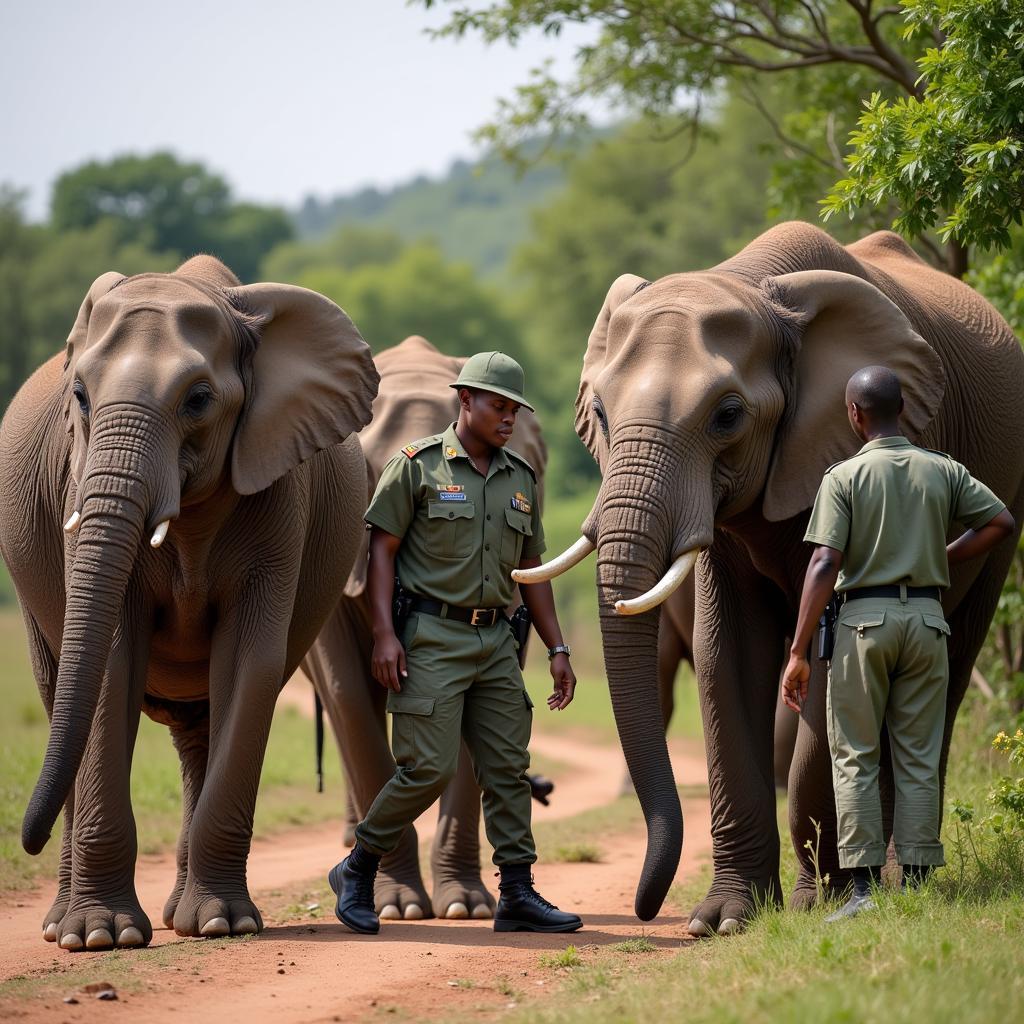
x: 363, y: 886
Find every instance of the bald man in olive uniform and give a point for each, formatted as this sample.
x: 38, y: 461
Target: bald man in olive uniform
x: 452, y: 516
x: 879, y: 527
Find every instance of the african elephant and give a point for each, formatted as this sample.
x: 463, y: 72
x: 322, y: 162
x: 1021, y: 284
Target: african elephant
x: 713, y: 403
x: 414, y: 400
x: 195, y: 441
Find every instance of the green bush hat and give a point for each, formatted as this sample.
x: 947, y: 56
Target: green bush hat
x: 497, y: 372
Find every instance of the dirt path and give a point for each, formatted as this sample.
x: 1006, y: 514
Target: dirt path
x: 316, y: 970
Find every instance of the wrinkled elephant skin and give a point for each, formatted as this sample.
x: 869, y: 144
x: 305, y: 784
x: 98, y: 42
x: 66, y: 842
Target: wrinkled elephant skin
x: 198, y: 440
x: 713, y: 403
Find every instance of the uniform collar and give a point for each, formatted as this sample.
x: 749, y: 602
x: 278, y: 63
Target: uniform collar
x: 896, y: 441
x: 451, y: 442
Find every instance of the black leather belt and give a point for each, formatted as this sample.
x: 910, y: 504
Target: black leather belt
x: 474, y: 616
x: 892, y: 590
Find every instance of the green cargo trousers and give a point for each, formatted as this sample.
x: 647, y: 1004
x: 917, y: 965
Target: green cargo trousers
x: 463, y: 682
x: 889, y: 665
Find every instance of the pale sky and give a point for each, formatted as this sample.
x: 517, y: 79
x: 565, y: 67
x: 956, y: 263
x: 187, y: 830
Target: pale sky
x: 283, y: 98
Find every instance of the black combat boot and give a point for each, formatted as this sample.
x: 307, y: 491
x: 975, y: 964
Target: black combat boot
x: 352, y: 882
x: 522, y: 909
x: 860, y: 900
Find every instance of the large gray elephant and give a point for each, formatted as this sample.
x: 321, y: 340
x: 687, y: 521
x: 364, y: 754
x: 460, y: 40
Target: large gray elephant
x: 195, y: 441
x: 714, y: 402
x: 414, y: 400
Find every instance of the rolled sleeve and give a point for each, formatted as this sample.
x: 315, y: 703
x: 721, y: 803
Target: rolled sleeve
x: 393, y: 505
x: 974, y: 504
x: 830, y: 517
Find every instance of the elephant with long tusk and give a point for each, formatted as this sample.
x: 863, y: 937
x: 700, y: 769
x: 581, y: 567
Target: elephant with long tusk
x: 713, y: 404
x: 196, y: 441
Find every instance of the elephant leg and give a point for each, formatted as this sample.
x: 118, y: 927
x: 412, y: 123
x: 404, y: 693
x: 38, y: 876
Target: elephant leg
x: 338, y: 665
x: 44, y: 668
x: 459, y: 890
x: 738, y: 648
x: 786, y: 726
x: 191, y: 739
x: 103, y: 909
x: 246, y: 674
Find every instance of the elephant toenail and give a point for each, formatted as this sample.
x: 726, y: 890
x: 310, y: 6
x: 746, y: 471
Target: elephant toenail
x: 72, y: 942
x: 215, y: 927
x: 50, y: 932
x: 482, y: 912
x: 246, y: 926
x: 130, y: 936
x: 99, y: 938
x: 390, y: 912
x: 728, y: 926
x: 413, y: 912
x: 699, y: 929
x: 457, y: 911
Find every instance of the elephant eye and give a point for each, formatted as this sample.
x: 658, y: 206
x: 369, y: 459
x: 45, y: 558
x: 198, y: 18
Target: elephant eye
x: 82, y: 397
x: 602, y: 418
x: 728, y: 417
x: 198, y: 400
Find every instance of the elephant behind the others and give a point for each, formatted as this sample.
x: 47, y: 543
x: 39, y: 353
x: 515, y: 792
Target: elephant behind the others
x: 414, y: 400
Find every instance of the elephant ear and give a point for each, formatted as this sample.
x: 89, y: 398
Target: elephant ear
x: 847, y: 324
x: 587, y: 426
x: 75, y: 344
x: 313, y: 382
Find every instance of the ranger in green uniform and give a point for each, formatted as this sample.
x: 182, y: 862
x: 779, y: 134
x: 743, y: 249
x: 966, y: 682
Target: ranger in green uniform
x: 452, y: 516
x: 880, y: 522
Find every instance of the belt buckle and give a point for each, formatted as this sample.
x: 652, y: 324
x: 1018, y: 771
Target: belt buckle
x: 476, y: 619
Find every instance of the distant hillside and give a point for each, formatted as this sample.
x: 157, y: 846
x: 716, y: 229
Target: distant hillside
x: 477, y: 213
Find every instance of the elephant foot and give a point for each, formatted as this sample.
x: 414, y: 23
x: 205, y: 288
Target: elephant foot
x: 399, y: 895
x: 730, y: 903
x: 175, y: 898
x: 54, y: 916
x: 103, y: 923
x: 462, y: 896
x: 209, y: 912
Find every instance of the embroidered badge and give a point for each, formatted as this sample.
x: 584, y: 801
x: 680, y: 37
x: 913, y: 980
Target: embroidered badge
x: 452, y: 488
x: 410, y: 450
x: 521, y: 504
x: 450, y: 452
x: 451, y: 495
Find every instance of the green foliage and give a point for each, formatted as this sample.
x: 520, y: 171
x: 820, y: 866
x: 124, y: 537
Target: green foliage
x: 950, y: 156
x: 168, y: 205
x: 1001, y: 281
x: 566, y: 958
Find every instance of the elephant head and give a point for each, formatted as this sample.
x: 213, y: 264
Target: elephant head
x: 704, y: 396
x: 182, y: 392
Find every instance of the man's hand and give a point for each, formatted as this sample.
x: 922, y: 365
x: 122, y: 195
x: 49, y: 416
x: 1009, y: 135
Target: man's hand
x: 794, y: 682
x: 388, y: 661
x: 565, y: 683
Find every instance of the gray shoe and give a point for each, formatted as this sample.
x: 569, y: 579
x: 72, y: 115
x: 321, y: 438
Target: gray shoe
x: 851, y: 908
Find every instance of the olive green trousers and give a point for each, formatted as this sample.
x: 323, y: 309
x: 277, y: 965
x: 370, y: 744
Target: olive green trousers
x: 889, y: 666
x: 463, y: 682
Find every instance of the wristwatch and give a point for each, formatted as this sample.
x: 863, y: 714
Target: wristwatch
x: 559, y: 649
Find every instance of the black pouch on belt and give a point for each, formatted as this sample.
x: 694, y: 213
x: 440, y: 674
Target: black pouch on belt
x: 520, y: 622
x: 827, y: 628
x: 401, y: 606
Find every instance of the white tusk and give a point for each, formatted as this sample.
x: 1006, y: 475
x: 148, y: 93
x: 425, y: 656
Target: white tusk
x: 677, y: 572
x: 159, y: 534
x: 72, y: 524
x: 549, y: 570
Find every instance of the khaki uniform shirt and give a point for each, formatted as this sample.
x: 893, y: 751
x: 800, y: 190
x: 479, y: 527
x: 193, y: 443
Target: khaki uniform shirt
x: 888, y: 509
x: 462, y: 533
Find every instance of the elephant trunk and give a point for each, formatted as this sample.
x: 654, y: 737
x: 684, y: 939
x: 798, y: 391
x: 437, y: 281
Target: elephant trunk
x: 639, y: 533
x: 116, y: 499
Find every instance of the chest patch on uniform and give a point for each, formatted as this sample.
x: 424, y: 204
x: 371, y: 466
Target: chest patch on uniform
x: 450, y: 452
x: 521, y: 504
x: 410, y: 450
x: 451, y: 492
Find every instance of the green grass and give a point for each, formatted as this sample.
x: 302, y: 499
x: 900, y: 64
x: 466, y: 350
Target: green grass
x: 641, y: 944
x: 287, y: 795
x: 577, y: 853
x: 568, y: 958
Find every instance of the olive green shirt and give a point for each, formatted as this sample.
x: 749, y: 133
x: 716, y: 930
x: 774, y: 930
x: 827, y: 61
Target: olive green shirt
x: 462, y: 533
x: 888, y: 509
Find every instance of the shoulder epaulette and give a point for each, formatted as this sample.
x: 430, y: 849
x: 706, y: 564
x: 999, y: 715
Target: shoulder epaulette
x: 839, y: 463
x: 515, y: 455
x: 411, y: 450
x: 935, y: 451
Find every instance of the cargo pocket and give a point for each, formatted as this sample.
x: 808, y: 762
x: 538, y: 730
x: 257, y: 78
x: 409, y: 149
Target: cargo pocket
x: 450, y: 528
x: 405, y: 711
x: 529, y: 703
x: 937, y: 622
x: 860, y: 624
x: 517, y: 528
